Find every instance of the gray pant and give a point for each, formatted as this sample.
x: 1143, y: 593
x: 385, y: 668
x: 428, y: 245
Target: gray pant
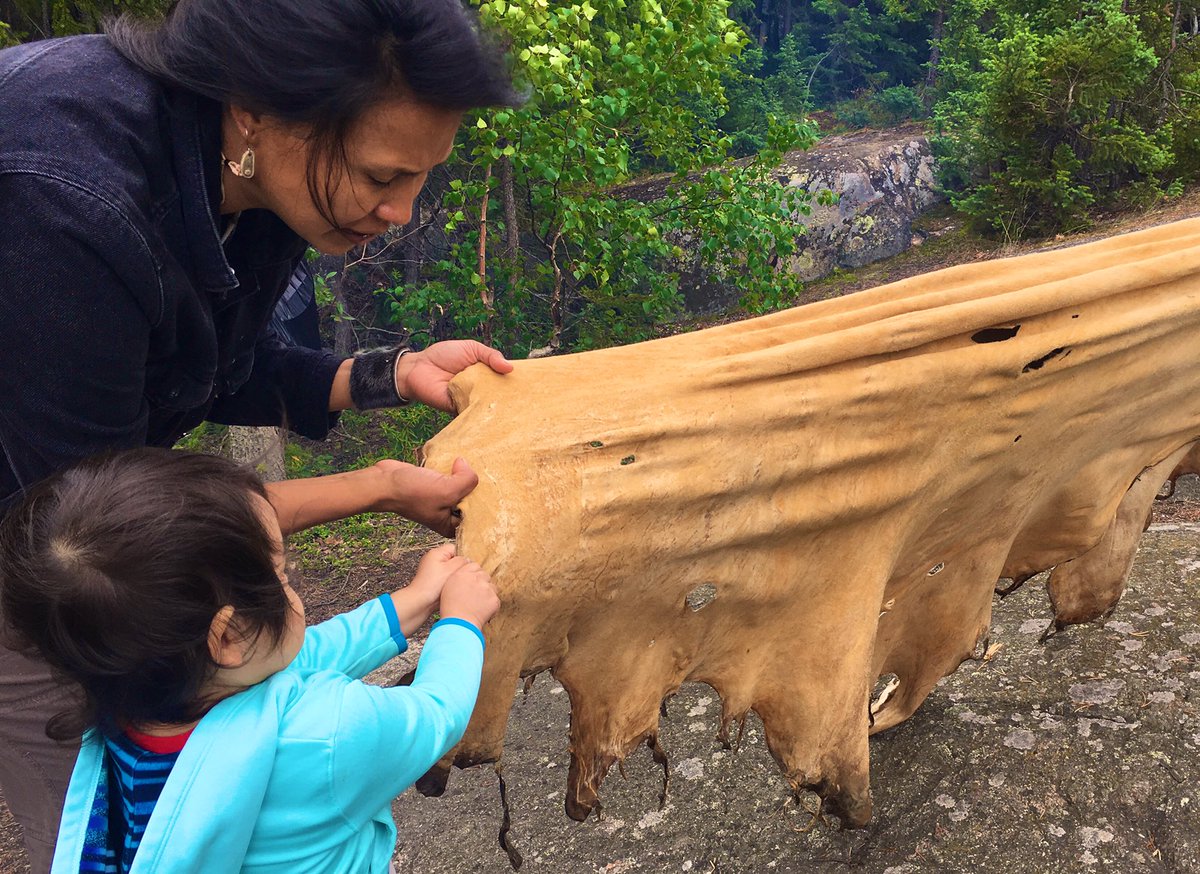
x: 34, y: 770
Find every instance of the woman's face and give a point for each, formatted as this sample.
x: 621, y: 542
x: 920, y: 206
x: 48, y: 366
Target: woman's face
x: 389, y: 153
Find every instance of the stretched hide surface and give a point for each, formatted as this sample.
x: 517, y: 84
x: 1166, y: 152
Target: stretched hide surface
x: 790, y: 508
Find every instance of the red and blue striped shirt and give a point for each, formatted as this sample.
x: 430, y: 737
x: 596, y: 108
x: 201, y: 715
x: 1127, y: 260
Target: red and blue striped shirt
x: 137, y: 765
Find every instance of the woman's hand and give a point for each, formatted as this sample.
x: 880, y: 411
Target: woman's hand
x: 387, y: 486
x: 425, y: 376
x: 424, y: 495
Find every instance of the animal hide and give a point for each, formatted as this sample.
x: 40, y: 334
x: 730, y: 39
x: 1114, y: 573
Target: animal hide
x: 792, y: 507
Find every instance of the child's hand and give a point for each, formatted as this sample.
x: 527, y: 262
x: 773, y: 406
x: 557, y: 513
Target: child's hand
x: 470, y: 595
x: 435, y: 568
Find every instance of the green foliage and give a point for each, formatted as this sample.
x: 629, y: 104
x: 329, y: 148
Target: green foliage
x: 404, y: 431
x: 205, y: 437
x: 862, y: 60
x: 860, y: 46
x: 886, y: 108
x: 750, y: 102
x: 1056, y: 107
x: 788, y: 84
x: 617, y: 89
x: 360, y: 440
x: 38, y: 19
x: 371, y: 540
x: 300, y: 461
x: 365, y: 438
x: 898, y: 103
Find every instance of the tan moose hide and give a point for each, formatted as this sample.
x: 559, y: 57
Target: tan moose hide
x: 792, y: 507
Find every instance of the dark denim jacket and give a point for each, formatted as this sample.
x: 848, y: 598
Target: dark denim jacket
x: 123, y: 320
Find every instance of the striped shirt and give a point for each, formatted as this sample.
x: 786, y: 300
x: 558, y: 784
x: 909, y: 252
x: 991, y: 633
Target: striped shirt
x: 137, y: 766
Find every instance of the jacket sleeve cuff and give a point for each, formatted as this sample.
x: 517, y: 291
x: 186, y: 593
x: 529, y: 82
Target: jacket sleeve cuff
x: 393, y: 621
x: 463, y: 623
x: 308, y: 378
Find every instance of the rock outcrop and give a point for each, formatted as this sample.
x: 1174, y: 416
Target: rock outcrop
x: 882, y: 181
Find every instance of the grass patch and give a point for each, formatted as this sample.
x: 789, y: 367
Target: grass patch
x: 361, y: 439
x: 206, y: 437
x: 358, y: 441
x: 376, y: 540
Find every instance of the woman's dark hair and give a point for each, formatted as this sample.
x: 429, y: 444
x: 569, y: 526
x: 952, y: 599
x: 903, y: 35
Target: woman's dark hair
x: 113, y: 570
x: 321, y: 63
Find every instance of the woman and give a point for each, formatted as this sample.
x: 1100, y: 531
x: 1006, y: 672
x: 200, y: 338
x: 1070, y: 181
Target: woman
x: 158, y: 186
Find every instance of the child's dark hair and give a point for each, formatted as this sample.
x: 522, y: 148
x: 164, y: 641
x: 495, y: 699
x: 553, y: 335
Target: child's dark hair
x: 112, y: 571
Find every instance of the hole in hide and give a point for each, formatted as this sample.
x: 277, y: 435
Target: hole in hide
x: 884, y: 687
x: 1039, y: 363
x: 995, y: 335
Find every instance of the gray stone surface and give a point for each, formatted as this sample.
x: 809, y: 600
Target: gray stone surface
x: 883, y: 180
x: 1079, y: 754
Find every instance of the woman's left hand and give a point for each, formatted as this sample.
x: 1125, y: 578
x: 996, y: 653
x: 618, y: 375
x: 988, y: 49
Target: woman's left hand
x: 424, y: 495
x: 425, y: 376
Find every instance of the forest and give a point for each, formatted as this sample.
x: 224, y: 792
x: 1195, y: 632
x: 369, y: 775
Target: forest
x: 1040, y: 114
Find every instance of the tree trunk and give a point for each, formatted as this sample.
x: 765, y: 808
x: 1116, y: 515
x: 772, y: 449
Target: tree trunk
x: 343, y: 331
x: 508, y: 194
x: 261, y: 448
x: 1165, y: 107
x: 557, y: 306
x: 556, y: 300
x: 935, y: 56
x: 512, y: 227
x: 412, y: 246
x: 485, y: 291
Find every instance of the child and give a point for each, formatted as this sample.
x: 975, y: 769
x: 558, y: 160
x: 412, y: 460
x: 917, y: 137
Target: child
x: 221, y: 735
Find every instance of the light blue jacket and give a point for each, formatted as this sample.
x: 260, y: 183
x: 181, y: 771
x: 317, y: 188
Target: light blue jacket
x: 297, y: 774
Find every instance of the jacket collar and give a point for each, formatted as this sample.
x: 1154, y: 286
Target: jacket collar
x: 198, y: 824
x: 195, y: 124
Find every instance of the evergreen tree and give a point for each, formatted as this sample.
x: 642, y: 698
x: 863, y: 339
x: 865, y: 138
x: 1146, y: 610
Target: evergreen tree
x: 1057, y: 106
